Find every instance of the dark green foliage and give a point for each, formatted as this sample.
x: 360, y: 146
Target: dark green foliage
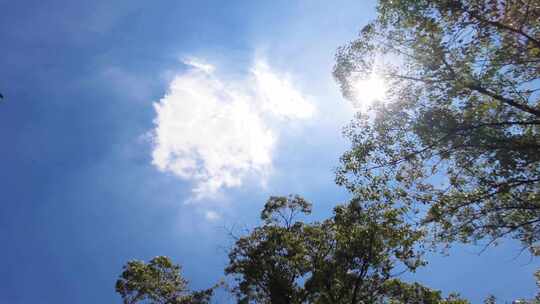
x: 459, y: 129
x: 352, y: 257
x: 405, y: 293
x: 157, y: 282
x: 269, y: 263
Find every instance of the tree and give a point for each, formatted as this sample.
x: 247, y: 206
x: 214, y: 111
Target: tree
x: 459, y: 128
x: 352, y: 257
x: 269, y: 263
x: 157, y: 282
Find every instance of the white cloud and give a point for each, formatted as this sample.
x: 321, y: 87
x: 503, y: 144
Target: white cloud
x: 278, y: 96
x: 199, y: 65
x: 215, y: 132
x: 211, y: 215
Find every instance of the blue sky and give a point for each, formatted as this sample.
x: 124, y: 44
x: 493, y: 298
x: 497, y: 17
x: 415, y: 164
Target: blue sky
x: 106, y: 149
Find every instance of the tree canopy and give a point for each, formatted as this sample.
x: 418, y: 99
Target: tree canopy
x: 352, y: 257
x: 157, y: 282
x: 459, y: 128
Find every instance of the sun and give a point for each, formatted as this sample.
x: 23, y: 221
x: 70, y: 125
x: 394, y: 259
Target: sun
x: 368, y: 90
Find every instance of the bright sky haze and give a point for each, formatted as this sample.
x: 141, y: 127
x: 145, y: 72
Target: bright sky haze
x: 132, y: 129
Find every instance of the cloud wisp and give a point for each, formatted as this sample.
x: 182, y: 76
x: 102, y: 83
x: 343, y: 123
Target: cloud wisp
x: 217, y: 132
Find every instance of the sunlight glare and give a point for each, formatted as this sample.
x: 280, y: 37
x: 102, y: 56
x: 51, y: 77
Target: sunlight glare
x: 369, y: 90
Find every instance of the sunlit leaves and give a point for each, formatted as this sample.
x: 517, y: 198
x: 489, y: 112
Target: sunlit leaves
x: 459, y: 129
